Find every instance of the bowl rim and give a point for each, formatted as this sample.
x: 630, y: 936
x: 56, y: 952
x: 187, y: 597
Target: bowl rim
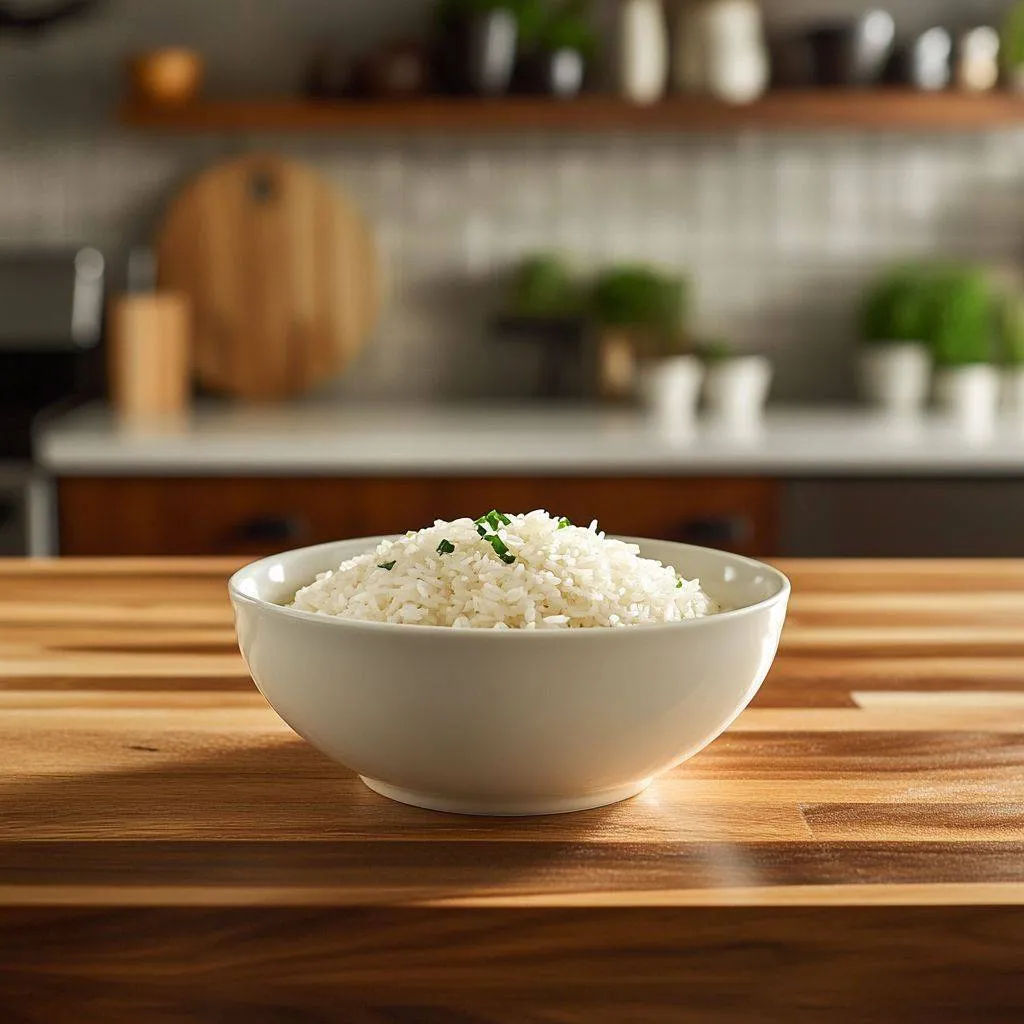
x: 422, y: 629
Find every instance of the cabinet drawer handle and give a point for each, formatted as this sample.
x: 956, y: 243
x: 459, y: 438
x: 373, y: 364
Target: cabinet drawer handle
x: 270, y: 529
x: 714, y: 531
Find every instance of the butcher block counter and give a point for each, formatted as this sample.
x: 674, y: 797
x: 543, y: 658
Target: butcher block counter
x: 852, y: 848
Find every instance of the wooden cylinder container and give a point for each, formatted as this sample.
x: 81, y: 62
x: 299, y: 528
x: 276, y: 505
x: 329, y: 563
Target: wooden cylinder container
x: 150, y: 362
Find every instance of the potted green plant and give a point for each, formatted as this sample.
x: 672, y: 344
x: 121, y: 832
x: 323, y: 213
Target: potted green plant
x: 736, y: 385
x: 1011, y: 47
x: 960, y: 332
x: 557, y: 49
x: 543, y: 287
x: 1010, y: 330
x: 545, y: 306
x: 643, y: 348
x: 895, y: 362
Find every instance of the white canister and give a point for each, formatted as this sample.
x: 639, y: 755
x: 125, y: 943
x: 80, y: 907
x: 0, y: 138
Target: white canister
x: 896, y: 376
x: 1012, y: 391
x: 736, y: 58
x: 735, y: 390
x: 969, y: 394
x: 977, y: 64
x: 643, y: 50
x: 670, y: 389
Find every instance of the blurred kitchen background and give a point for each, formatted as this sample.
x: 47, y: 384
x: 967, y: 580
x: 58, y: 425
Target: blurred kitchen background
x: 278, y: 271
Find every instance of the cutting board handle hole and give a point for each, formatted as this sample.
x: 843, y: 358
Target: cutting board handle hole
x: 262, y: 186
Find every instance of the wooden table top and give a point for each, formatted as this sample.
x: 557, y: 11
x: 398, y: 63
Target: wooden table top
x: 169, y: 850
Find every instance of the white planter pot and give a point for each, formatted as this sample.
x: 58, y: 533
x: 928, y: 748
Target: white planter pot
x: 1012, y: 391
x: 643, y: 50
x: 670, y: 389
x: 969, y: 394
x: 895, y: 376
x: 735, y: 390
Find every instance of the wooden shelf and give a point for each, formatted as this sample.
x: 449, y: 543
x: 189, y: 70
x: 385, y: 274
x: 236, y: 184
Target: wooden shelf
x: 891, y: 110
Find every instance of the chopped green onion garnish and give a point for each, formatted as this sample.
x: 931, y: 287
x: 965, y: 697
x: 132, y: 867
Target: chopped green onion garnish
x: 386, y: 565
x: 493, y: 519
x: 446, y: 547
x: 500, y: 547
x: 501, y: 550
x: 563, y: 523
x: 679, y: 584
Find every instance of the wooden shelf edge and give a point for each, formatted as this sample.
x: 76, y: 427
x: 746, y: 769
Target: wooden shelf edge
x: 869, y: 109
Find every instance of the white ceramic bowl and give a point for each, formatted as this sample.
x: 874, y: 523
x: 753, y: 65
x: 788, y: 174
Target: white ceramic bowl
x: 509, y: 722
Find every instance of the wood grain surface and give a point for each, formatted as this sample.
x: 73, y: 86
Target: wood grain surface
x: 891, y: 110
x: 280, y: 270
x: 852, y: 849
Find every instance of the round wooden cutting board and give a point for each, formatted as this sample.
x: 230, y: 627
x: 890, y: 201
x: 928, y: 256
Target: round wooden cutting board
x: 281, y: 272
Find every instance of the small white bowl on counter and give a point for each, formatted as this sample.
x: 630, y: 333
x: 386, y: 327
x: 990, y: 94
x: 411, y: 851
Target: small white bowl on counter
x: 512, y: 722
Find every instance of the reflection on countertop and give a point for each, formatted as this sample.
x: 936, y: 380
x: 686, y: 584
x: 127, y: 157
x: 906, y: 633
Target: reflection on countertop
x: 389, y: 439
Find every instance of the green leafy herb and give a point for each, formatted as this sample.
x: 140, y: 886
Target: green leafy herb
x: 648, y: 304
x: 543, y: 284
x: 1012, y: 38
x: 897, y: 306
x: 500, y: 547
x: 446, y: 547
x: 715, y: 351
x: 679, y: 584
x: 563, y: 523
x: 960, y: 324
x: 494, y: 519
x: 386, y: 565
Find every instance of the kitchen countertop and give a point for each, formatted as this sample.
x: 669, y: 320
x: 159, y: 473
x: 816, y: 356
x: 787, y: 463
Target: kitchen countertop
x: 346, y: 439
x: 852, y: 848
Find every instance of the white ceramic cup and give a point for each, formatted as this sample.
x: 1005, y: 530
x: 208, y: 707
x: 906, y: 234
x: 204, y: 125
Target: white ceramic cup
x: 670, y: 389
x: 735, y: 390
x: 1012, y: 391
x: 969, y: 395
x: 896, y: 376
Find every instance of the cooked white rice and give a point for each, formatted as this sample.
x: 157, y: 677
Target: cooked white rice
x: 529, y: 571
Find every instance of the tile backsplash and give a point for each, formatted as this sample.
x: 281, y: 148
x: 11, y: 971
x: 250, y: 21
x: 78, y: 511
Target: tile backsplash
x: 778, y: 232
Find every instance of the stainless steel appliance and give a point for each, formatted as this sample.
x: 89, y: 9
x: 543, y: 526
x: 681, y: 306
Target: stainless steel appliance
x: 51, y: 329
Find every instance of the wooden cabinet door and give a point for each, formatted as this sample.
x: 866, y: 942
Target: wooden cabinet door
x: 252, y: 515
x: 736, y: 514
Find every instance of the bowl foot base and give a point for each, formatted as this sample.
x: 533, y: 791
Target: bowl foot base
x: 507, y: 808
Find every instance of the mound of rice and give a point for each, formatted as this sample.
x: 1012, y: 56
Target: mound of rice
x: 529, y: 571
